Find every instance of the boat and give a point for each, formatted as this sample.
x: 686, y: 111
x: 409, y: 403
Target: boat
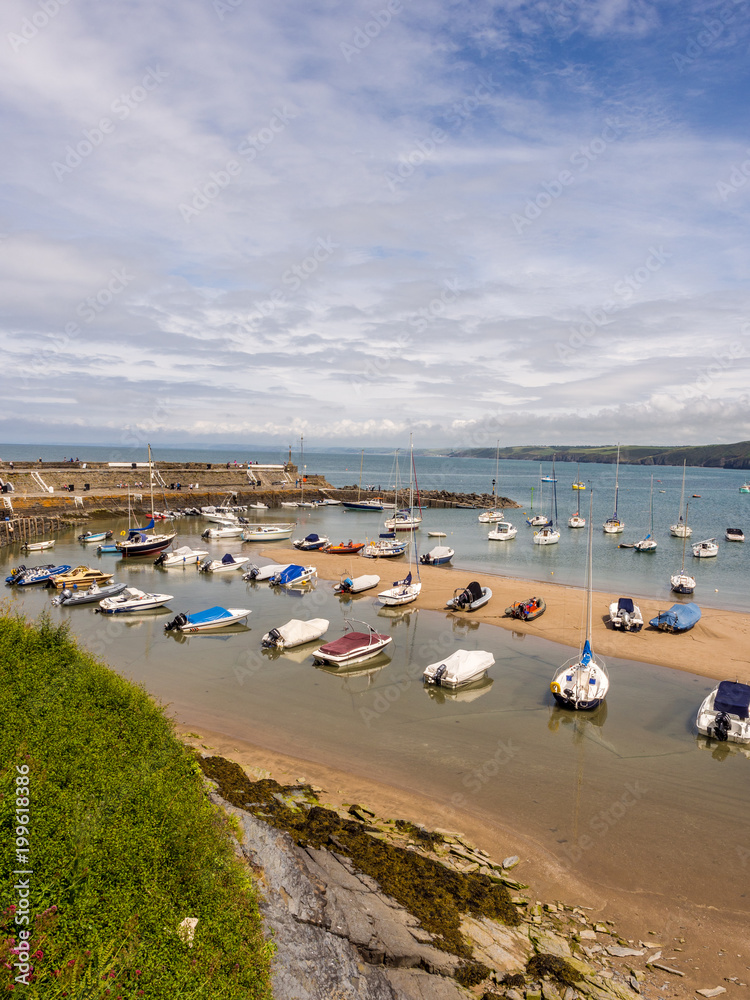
x: 267, y: 532
x: 582, y: 682
x: 437, y: 556
x: 625, y: 615
x: 527, y: 610
x: 724, y: 714
x: 294, y: 633
x: 23, y: 577
x: 184, y: 556
x: 131, y: 599
x: 261, y: 573
x: 465, y: 693
x: 227, y: 563
x: 469, y: 598
x: 81, y: 576
x: 226, y: 531
x: 349, y: 548
x: 48, y: 543
x: 579, y: 483
x: 613, y: 525
x: 208, y: 620
x: 94, y: 536
x: 356, y: 585
x: 734, y: 535
x: 705, y: 549
x: 288, y: 503
x: 648, y: 544
x: 461, y: 667
x: 539, y: 520
x: 311, y: 542
x: 546, y: 536
x: 405, y: 519
x: 110, y: 550
x: 436, y: 534
x: 681, y: 529
x: 745, y: 488
x: 93, y: 594
x: 359, y: 504
x: 402, y: 592
x: 138, y: 541
x: 385, y: 546
x: 682, y: 582
x: 502, y: 532
x: 575, y: 520
x: 352, y: 647
x: 679, y: 618
x: 293, y: 576
x: 549, y: 534
x: 257, y: 506
x: 491, y: 516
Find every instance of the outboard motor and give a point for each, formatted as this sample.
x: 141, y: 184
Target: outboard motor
x: 204, y: 534
x: 159, y: 561
x: 176, y: 622
x: 273, y: 640
x: 346, y: 585
x: 722, y: 725
x: 252, y: 572
x: 439, y: 674
x: 203, y: 568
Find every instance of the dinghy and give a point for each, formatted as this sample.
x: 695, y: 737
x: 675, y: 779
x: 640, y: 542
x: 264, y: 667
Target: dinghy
x: 469, y: 598
x: 267, y: 532
x: 527, y: 610
x: 48, y: 543
x: 80, y: 577
x: 226, y: 564
x: 294, y: 633
x: 725, y: 713
x: 205, y: 621
x: 131, y: 599
x: 184, y: 556
x: 438, y: 556
x: 679, y: 618
x: 69, y: 598
x: 352, y: 647
x: 461, y: 667
x: 349, y: 548
x: 94, y: 536
x: 293, y: 576
x: 625, y: 615
x: 436, y: 534
x: 260, y: 573
x: 356, y: 585
x: 311, y: 542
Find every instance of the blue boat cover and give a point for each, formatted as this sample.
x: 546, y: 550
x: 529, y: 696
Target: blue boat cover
x: 289, y: 574
x: 387, y: 534
x: 227, y: 559
x: 734, y: 698
x: 209, y: 615
x: 312, y: 538
x: 680, y: 617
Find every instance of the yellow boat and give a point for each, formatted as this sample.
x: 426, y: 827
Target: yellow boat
x: 81, y: 576
x: 579, y: 485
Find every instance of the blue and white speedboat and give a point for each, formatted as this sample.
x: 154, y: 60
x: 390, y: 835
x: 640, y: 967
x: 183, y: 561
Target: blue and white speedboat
x: 204, y: 621
x: 438, y: 556
x: 293, y: 576
x: 22, y: 577
x: 311, y: 542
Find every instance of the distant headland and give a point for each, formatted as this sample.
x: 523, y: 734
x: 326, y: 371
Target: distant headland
x: 713, y: 456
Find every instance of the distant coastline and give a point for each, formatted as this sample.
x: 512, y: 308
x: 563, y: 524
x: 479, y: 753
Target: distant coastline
x: 710, y: 456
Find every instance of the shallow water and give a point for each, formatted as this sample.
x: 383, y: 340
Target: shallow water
x: 629, y: 789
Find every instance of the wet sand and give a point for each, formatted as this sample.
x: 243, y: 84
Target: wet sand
x: 716, y: 647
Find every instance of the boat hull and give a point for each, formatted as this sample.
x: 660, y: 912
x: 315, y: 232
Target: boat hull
x: 155, y: 544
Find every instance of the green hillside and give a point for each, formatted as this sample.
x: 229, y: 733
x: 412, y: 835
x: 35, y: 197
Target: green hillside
x: 721, y: 456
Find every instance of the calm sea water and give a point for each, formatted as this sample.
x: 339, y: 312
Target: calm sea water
x: 596, y: 791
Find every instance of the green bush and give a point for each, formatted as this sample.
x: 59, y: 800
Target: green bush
x: 124, y: 843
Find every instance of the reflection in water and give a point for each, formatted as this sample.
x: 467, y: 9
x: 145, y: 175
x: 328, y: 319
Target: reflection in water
x: 722, y: 750
x: 224, y: 633
x: 467, y: 693
x: 463, y: 626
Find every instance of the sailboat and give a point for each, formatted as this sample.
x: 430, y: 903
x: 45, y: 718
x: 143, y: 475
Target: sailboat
x: 648, y: 544
x: 683, y: 583
x: 302, y: 502
x: 583, y: 682
x: 405, y: 519
x: 404, y: 591
x: 539, y: 520
x: 494, y: 514
x: 549, y: 534
x: 360, y: 504
x: 681, y: 530
x: 613, y: 525
x: 575, y: 520
x: 578, y: 484
x: 138, y: 542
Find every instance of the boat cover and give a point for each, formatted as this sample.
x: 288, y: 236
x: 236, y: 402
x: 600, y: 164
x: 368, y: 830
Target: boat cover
x: 209, y: 615
x: 460, y: 667
x: 680, y: 617
x: 295, y: 632
x: 227, y: 559
x: 181, y: 553
x: 734, y: 698
x: 387, y: 534
x: 626, y: 604
x: 289, y: 574
x: 440, y: 552
x: 311, y: 538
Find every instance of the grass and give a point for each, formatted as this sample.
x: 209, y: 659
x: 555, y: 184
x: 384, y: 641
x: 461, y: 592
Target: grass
x: 124, y: 843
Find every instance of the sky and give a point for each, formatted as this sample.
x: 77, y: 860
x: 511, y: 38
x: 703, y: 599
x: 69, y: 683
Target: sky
x: 227, y: 221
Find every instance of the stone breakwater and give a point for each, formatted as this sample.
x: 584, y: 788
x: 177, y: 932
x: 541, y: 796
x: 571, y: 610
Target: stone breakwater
x: 362, y: 906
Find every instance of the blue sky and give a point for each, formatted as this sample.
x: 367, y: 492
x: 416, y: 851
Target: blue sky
x: 226, y: 221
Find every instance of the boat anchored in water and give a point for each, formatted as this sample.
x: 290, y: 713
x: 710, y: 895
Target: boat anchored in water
x: 613, y: 525
x: 184, y: 556
x: 440, y: 555
x: 681, y: 529
x: 352, y: 647
x: 70, y: 598
x: 734, y: 535
x: 682, y: 582
x: 311, y: 542
x: 131, y: 599
x: 227, y: 563
x: 293, y: 576
x: 461, y: 667
x: 705, y: 549
x: 208, y: 620
x: 502, y: 532
x: 294, y: 633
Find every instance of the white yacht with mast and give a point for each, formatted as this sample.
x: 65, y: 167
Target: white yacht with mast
x: 680, y: 529
x: 613, y: 525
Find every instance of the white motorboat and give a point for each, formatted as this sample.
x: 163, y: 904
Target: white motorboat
x: 582, y: 682
x: 724, y: 714
x: 705, y: 549
x: 356, y: 585
x: 461, y: 667
x: 227, y: 563
x: 440, y: 555
x: 225, y: 520
x: 734, y: 535
x: 131, y: 599
x: 267, y: 532
x: 386, y: 546
x: 94, y: 536
x: 293, y: 576
x: 226, y: 531
x: 502, y: 532
x: 48, y: 543
x: 469, y: 598
x: 352, y: 647
x: 576, y: 521
x: 184, y: 556
x: 613, y: 525
x: 294, y: 633
x: 491, y: 516
x: 311, y: 542
x: 546, y: 536
x: 625, y: 615
x: 682, y: 582
x: 681, y: 529
x: 257, y: 506
x: 261, y: 573
x: 402, y: 592
x: 289, y: 503
x: 208, y: 620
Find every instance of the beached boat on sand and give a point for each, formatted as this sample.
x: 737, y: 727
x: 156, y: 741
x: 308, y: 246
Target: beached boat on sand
x: 356, y: 585
x: 311, y: 542
x: 402, y: 592
x: 679, y: 618
x: 469, y: 598
x: 625, y: 615
x: 349, y: 548
x: 527, y: 610
x: 437, y: 556
x: 352, y: 647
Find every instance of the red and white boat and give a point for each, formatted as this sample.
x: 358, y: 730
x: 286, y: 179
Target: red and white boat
x: 352, y: 647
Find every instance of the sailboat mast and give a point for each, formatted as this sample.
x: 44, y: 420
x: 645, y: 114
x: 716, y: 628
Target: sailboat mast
x: 617, y: 477
x: 682, y: 492
x: 361, y: 463
x: 151, y: 480
x: 554, y: 487
x: 590, y: 571
x: 684, y: 540
x: 651, y: 503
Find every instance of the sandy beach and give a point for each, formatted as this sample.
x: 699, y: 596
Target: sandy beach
x: 717, y: 647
